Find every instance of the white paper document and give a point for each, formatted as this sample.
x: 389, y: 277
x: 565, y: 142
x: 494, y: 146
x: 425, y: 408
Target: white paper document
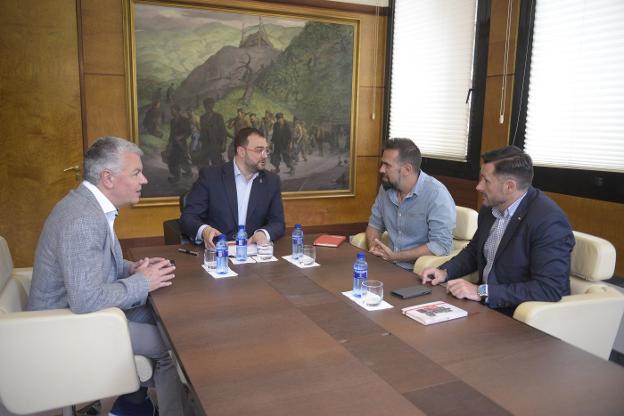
x: 360, y: 302
x: 290, y: 260
x: 247, y: 260
x: 213, y: 273
x: 259, y: 260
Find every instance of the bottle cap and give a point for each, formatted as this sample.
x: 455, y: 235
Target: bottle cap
x: 361, y: 255
x: 297, y: 225
x: 241, y: 227
x: 222, y: 237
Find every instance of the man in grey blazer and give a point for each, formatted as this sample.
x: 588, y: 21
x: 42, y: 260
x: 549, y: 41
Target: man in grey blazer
x: 79, y: 263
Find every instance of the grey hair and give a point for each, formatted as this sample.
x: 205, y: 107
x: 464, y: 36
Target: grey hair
x: 106, y: 153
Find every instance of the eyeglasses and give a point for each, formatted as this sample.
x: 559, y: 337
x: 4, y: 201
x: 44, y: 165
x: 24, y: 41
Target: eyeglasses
x: 260, y: 150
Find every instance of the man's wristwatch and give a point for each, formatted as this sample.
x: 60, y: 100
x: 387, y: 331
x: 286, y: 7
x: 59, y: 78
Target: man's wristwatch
x: 483, y: 291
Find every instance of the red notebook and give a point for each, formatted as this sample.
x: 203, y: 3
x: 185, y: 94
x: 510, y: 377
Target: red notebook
x: 327, y: 240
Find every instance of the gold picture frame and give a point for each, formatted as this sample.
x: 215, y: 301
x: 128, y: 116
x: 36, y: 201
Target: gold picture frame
x: 262, y: 59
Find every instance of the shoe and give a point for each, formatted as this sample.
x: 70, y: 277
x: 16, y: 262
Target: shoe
x: 124, y: 407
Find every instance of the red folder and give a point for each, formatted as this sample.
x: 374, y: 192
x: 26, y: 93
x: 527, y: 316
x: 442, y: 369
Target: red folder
x: 327, y: 240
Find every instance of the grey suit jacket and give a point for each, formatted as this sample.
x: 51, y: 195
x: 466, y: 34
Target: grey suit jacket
x: 78, y: 262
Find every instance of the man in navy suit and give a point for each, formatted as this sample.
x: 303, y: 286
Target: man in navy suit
x: 238, y: 192
x: 522, y: 245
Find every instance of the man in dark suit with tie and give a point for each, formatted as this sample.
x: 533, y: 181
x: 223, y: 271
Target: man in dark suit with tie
x: 238, y: 192
x: 522, y: 245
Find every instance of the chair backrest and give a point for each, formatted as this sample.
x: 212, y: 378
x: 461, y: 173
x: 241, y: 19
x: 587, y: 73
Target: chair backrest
x: 6, y: 262
x: 593, y: 258
x: 13, y: 296
x: 465, y: 226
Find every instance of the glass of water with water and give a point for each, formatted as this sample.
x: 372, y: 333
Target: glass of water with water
x: 265, y: 251
x: 372, y: 292
x: 210, y: 258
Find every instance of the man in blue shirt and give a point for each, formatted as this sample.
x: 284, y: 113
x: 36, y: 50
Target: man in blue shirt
x: 416, y: 209
x: 522, y: 245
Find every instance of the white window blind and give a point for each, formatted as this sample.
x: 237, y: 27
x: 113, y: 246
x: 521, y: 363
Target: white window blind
x: 432, y: 56
x: 575, y: 106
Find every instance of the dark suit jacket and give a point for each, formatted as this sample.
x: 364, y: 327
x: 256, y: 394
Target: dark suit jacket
x: 212, y: 201
x: 532, y: 261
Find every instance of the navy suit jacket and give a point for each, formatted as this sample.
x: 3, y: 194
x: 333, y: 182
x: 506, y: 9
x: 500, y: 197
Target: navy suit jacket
x: 212, y: 201
x: 532, y: 262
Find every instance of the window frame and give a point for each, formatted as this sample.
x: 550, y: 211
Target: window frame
x: 593, y: 184
x: 470, y: 168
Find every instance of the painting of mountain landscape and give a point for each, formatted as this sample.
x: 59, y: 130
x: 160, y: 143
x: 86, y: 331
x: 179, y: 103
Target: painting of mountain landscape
x: 201, y: 75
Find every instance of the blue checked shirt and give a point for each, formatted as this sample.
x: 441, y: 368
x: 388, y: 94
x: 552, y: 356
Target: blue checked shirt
x: 496, y: 234
x: 425, y: 216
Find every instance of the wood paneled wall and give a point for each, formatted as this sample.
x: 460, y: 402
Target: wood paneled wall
x: 40, y: 119
x: 106, y: 112
x: 39, y: 116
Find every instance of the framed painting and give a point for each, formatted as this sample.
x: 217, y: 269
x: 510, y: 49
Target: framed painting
x: 200, y: 73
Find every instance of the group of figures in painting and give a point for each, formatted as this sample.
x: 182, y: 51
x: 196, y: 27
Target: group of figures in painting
x: 206, y: 139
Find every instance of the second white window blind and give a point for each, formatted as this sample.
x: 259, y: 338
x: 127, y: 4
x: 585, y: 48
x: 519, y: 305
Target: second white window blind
x: 432, y: 57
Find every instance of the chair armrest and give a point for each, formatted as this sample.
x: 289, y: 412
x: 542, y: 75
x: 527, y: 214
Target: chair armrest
x: 24, y: 276
x: 359, y: 241
x: 55, y: 358
x: 425, y: 262
x: 589, y: 321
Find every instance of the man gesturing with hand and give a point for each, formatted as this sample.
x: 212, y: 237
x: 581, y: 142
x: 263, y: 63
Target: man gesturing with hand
x: 416, y: 209
x: 79, y: 263
x: 522, y: 245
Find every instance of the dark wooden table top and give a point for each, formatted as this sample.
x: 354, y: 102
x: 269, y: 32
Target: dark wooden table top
x: 279, y: 340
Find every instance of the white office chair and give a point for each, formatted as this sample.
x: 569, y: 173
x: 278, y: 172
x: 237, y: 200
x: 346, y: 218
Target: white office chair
x: 57, y: 359
x: 590, y: 316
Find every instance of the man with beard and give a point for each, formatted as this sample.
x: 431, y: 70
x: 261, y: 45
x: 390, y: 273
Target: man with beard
x: 522, y: 245
x: 240, y: 191
x: 416, y: 209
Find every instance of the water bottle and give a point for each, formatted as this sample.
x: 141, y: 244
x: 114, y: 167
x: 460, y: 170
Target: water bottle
x: 360, y: 274
x: 241, y: 244
x: 297, y: 242
x: 222, y: 255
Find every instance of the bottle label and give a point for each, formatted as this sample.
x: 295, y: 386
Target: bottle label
x: 221, y: 253
x: 241, y: 242
x: 360, y: 274
x: 297, y: 240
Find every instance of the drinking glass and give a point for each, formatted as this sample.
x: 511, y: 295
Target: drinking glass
x: 372, y: 292
x: 210, y: 258
x: 265, y: 250
x: 309, y: 255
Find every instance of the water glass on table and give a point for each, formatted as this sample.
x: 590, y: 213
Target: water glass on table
x: 265, y: 250
x: 308, y: 257
x: 210, y: 258
x: 372, y: 292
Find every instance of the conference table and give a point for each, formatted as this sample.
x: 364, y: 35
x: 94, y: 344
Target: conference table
x: 282, y: 340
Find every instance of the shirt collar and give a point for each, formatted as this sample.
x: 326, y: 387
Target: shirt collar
x: 418, y: 186
x: 107, y: 207
x: 511, y: 209
x: 237, y: 172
